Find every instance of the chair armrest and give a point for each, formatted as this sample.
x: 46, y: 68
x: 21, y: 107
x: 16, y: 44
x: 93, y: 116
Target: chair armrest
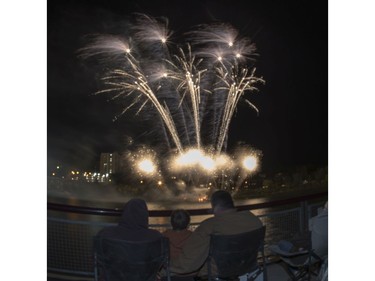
x: 276, y: 249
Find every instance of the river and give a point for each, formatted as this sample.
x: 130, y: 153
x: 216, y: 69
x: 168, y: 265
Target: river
x: 107, y: 196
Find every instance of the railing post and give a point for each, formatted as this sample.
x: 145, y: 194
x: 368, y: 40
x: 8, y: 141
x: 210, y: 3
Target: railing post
x: 303, y: 216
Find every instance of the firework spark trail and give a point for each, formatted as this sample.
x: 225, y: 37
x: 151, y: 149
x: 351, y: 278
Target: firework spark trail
x: 236, y: 85
x: 153, y: 38
x: 113, y: 47
x: 221, y: 44
x: 139, y: 83
x: 175, y: 101
x: 150, y: 30
x: 212, y: 76
x: 110, y: 46
x: 195, y: 100
x: 189, y: 79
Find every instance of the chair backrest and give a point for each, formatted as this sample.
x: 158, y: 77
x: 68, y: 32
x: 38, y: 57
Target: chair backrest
x: 231, y: 256
x: 119, y: 260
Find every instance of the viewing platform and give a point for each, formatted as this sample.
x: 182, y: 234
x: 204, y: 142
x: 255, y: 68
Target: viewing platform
x: 71, y: 229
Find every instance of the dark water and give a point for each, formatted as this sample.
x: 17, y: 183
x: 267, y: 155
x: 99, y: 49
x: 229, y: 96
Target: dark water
x: 278, y: 226
x: 108, y: 197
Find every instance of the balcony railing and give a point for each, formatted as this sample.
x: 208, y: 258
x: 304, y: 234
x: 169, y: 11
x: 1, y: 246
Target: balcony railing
x: 70, y: 238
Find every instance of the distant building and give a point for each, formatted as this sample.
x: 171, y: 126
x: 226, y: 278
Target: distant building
x: 109, y: 163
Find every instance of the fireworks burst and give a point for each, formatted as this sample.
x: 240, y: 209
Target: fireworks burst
x: 190, y: 90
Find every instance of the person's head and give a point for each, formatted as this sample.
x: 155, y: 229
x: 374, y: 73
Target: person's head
x: 221, y: 200
x: 135, y: 214
x: 180, y: 219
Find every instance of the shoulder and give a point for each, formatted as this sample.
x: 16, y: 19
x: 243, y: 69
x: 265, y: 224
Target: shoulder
x: 247, y: 214
x: 155, y: 232
x: 187, y: 232
x: 167, y: 233
x: 107, y: 231
x: 206, y: 226
x: 151, y: 234
x: 208, y: 221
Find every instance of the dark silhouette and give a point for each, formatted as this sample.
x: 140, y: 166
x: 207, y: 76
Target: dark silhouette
x: 226, y: 220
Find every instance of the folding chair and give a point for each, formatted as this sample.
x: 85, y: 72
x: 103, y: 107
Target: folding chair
x: 298, y: 258
x: 119, y: 260
x: 232, y: 256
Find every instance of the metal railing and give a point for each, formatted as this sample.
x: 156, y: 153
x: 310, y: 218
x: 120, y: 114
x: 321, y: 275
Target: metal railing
x: 69, y: 241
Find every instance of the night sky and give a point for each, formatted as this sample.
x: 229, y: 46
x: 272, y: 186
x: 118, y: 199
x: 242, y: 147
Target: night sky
x: 292, y: 42
x: 291, y: 130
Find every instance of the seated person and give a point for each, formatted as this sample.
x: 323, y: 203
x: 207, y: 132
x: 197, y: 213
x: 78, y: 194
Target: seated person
x: 226, y: 220
x: 133, y: 224
x: 180, y: 220
x: 178, y: 235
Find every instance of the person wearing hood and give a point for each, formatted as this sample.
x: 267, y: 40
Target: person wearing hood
x: 133, y: 225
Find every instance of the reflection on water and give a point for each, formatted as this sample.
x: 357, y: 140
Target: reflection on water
x: 108, y: 196
x: 99, y: 196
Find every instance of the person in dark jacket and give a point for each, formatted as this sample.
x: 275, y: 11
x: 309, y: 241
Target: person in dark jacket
x: 133, y: 225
